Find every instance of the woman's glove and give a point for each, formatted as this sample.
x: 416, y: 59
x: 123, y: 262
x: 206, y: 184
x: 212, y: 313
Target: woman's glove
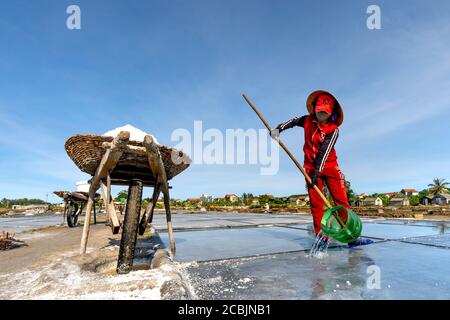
x: 315, y: 178
x: 275, y: 133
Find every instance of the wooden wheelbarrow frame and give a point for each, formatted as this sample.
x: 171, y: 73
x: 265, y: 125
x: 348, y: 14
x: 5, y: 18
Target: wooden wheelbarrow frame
x: 79, y: 197
x: 102, y: 179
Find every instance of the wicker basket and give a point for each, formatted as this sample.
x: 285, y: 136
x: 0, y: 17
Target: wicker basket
x: 87, y: 151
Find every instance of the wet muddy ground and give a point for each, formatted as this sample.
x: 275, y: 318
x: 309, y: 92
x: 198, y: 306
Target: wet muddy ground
x: 266, y: 257
x: 50, y: 267
x: 237, y: 256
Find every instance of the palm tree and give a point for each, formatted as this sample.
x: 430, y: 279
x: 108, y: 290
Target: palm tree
x: 438, y: 186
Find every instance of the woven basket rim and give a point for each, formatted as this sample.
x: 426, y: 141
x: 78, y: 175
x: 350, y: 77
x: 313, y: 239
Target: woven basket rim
x: 92, y: 141
x: 61, y: 193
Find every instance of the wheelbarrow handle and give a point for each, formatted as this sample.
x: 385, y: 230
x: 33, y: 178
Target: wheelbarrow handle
x: 299, y: 166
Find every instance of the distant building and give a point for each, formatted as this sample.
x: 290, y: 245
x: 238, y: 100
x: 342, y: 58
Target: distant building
x: 194, y: 199
x: 362, y: 195
x: 299, y: 200
x: 206, y: 198
x: 232, y: 197
x: 255, y: 201
x: 409, y: 192
x: 399, y: 202
x: 390, y: 194
x: 370, y: 201
x: 441, y: 199
x: 83, y: 186
x: 37, y: 207
x: 426, y: 200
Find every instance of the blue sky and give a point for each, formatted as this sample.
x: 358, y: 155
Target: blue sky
x: 161, y: 65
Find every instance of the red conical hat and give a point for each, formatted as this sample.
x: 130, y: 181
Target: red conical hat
x: 338, y: 113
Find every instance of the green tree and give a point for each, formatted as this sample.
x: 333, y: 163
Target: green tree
x: 99, y: 202
x: 247, y: 197
x: 424, y: 193
x: 414, y: 200
x: 438, y: 186
x: 384, y: 198
x: 8, y: 203
x: 351, y: 196
x: 122, y: 195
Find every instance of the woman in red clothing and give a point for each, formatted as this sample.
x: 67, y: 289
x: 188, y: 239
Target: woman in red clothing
x: 321, y: 128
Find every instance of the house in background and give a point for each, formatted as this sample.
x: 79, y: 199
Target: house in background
x: 409, y: 192
x: 390, y: 194
x: 194, y: 200
x: 399, y: 202
x: 299, y: 200
x: 441, y: 199
x: 232, y: 197
x: 37, y: 207
x: 371, y: 201
x: 426, y: 200
x: 206, y: 198
x: 255, y: 201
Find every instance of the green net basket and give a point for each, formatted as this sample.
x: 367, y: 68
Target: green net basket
x: 331, y: 227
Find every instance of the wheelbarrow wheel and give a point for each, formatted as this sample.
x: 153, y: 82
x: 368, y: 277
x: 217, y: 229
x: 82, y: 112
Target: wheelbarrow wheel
x: 72, y: 215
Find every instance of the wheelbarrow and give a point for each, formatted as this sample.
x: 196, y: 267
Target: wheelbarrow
x: 119, y: 160
x: 74, y: 204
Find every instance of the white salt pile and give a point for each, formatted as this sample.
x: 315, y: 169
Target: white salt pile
x: 135, y: 133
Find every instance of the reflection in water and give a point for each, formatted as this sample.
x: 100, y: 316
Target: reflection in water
x: 353, y: 271
x: 443, y: 227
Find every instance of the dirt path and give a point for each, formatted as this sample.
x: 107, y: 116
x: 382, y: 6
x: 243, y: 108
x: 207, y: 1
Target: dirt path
x: 46, y: 243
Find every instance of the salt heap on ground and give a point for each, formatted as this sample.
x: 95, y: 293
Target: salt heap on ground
x: 135, y: 133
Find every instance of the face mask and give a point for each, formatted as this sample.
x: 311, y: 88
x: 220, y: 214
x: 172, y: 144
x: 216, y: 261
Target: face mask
x: 322, y: 116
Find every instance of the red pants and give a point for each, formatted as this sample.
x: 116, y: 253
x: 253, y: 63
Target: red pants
x: 335, y: 181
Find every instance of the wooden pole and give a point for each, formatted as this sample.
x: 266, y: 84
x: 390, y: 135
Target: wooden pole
x: 105, y: 202
x: 299, y: 166
x: 87, y: 221
x: 169, y: 223
x: 110, y: 208
x: 108, y: 162
x: 95, y: 213
x: 148, y: 215
x: 157, y: 167
x: 130, y: 226
x: 65, y: 211
x: 110, y: 199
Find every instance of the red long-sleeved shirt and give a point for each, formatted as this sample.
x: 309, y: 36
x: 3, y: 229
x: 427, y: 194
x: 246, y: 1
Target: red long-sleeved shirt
x: 319, y: 141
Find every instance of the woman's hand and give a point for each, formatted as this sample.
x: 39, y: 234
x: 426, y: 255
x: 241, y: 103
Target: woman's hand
x: 275, y: 134
x: 315, y: 178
